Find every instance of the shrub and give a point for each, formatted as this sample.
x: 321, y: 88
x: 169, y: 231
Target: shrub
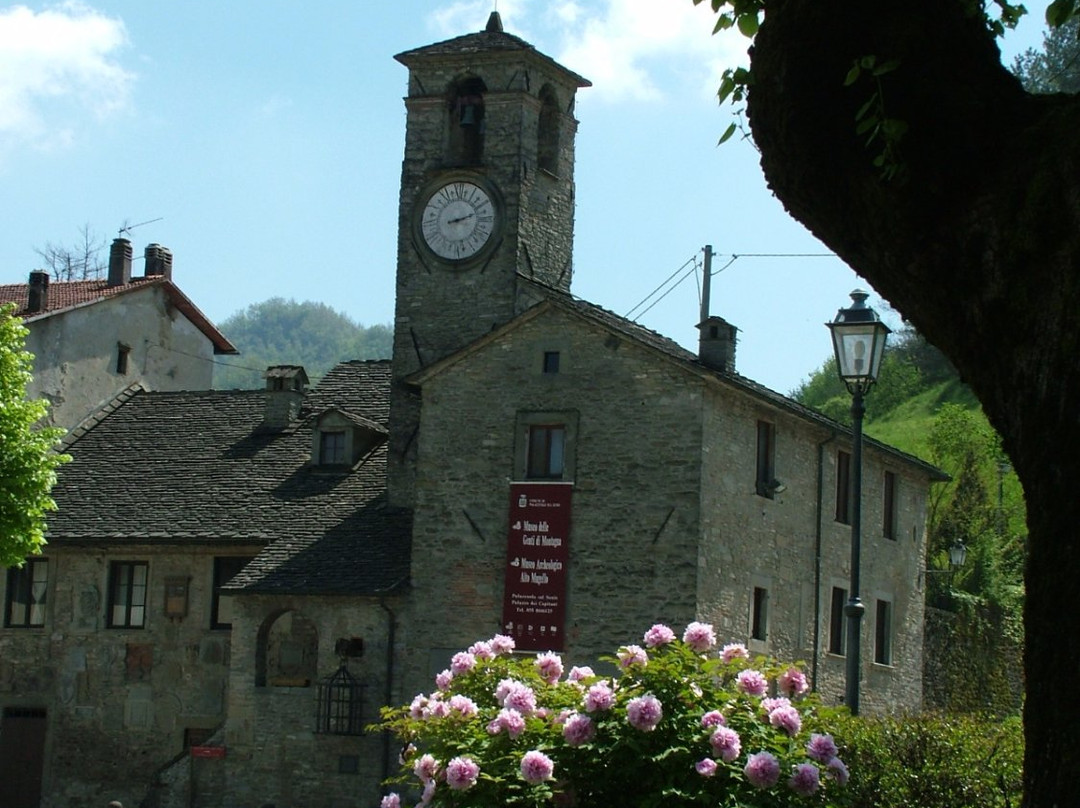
x: 933, y: 761
x: 679, y: 722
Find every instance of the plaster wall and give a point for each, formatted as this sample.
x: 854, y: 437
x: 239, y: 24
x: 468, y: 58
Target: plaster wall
x: 75, y: 353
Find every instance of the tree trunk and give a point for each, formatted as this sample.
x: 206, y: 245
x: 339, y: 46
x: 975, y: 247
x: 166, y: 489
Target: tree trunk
x: 978, y: 246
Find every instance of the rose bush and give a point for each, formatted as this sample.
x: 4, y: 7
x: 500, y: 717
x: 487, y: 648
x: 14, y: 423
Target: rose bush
x: 676, y: 722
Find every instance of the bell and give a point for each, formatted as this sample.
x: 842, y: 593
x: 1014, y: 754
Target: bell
x: 468, y: 115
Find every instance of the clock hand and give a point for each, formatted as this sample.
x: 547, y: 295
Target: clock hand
x: 461, y: 218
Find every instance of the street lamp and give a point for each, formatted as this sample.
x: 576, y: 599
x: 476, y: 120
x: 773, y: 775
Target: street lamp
x: 858, y: 337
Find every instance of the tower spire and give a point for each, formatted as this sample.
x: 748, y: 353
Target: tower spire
x: 494, y: 23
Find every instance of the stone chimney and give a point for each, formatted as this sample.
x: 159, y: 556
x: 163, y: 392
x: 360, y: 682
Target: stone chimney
x: 38, y: 299
x: 119, y: 263
x: 285, y: 388
x: 716, y: 344
x: 158, y: 261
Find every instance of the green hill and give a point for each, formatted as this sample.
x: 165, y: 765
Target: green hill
x: 910, y: 423
x: 285, y: 332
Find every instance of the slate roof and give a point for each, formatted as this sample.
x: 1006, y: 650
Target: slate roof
x: 491, y: 40
x: 64, y: 296
x: 199, y: 468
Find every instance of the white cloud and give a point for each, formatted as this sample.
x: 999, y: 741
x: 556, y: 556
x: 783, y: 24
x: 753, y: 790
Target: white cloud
x: 632, y: 50
x: 623, y: 47
x: 56, y: 66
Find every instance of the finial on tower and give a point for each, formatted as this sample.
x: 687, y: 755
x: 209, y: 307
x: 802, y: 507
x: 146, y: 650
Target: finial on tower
x: 494, y: 23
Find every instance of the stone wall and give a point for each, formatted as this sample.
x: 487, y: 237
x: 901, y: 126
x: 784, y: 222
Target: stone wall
x: 273, y: 755
x: 635, y: 502
x: 666, y: 521
x: 119, y: 702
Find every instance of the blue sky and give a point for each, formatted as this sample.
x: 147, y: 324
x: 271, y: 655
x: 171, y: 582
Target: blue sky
x: 266, y: 140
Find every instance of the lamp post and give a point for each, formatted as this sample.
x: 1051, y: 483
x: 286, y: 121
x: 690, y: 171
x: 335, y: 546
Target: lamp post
x: 858, y: 337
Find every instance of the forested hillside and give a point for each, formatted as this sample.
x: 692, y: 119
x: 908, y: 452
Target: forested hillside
x: 285, y: 332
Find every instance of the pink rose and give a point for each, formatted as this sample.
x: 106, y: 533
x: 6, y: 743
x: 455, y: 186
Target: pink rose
x: 699, y: 636
x: 462, y: 773
x: 536, y: 767
x: 644, y: 712
x: 658, y: 635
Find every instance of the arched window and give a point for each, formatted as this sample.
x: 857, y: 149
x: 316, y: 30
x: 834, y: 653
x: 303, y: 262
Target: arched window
x: 547, y: 135
x: 466, y: 121
x: 286, y: 651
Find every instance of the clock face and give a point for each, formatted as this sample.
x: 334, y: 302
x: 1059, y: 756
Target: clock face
x: 458, y: 220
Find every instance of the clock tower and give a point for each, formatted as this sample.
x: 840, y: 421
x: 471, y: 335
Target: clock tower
x: 486, y: 205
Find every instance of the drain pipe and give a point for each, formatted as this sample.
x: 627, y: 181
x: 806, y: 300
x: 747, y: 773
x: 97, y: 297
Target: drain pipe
x: 817, y: 557
x: 388, y: 696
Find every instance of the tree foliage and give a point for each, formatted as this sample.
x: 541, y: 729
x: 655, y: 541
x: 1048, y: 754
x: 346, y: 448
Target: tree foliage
x: 910, y: 365
x: 1056, y: 68
x: 983, y: 509
x: 28, y: 459
x: 285, y: 332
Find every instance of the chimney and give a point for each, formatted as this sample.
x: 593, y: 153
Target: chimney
x: 716, y: 336
x: 158, y: 261
x: 38, y: 299
x: 716, y: 344
x: 119, y: 263
x: 285, y: 387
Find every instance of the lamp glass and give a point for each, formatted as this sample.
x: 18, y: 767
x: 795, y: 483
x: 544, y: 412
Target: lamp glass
x: 859, y: 348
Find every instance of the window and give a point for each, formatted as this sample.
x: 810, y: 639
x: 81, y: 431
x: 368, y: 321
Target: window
x: 467, y: 121
x: 551, y: 361
x: 122, y: 353
x: 27, y: 589
x: 544, y: 445
x: 843, y: 487
x: 547, y: 135
x: 225, y: 569
x: 888, y: 506
x: 837, y: 644
x: 332, y: 448
x: 766, y: 459
x: 759, y: 614
x: 883, y: 633
x: 127, y: 594
x: 546, y: 451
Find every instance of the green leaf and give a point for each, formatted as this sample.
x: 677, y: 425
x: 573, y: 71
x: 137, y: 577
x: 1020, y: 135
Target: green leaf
x: 894, y: 128
x: 748, y: 24
x: 1059, y: 11
x: 852, y: 75
x: 887, y: 67
x: 866, y: 107
x: 866, y: 125
x: 727, y: 87
x: 868, y: 62
x: 727, y: 134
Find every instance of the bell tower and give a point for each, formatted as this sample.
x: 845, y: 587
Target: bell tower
x: 487, y: 200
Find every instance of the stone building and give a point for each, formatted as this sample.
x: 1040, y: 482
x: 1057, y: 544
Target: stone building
x: 528, y: 463
x: 120, y: 654
x: 91, y: 339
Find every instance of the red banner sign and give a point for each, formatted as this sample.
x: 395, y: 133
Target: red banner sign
x: 208, y: 751
x: 537, y: 555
